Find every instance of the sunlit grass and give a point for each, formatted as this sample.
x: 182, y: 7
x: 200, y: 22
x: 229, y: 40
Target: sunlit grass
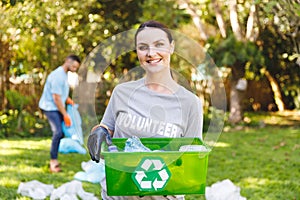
x: 221, y: 144
x: 23, y: 160
x: 287, y: 118
x: 9, y: 182
x: 25, y: 144
x: 256, y: 183
x: 263, y: 162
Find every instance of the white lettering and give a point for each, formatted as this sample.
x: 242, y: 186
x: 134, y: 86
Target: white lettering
x: 174, y: 131
x: 168, y: 129
x: 133, y: 125
x: 121, y: 118
x: 161, y: 128
x: 147, y: 125
x: 155, y: 126
x: 127, y: 120
x: 140, y: 123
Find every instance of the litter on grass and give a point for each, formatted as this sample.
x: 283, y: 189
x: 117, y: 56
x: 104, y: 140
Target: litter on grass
x: 92, y: 172
x: 35, y: 189
x: 69, y: 191
x: 223, y: 190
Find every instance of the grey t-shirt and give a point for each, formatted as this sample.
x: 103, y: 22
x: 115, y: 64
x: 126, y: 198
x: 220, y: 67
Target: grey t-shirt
x: 136, y: 110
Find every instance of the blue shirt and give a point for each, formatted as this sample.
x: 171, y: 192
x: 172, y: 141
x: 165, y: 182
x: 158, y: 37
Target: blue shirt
x: 56, y: 83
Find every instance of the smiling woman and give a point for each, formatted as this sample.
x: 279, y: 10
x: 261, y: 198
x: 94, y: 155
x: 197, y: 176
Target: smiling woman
x: 154, y: 106
x: 154, y: 46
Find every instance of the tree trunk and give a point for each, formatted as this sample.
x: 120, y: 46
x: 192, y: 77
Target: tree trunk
x: 219, y: 18
x: 235, y: 25
x: 19, y: 120
x: 5, y: 57
x: 276, y: 91
x: 6, y: 84
x: 195, y: 17
x: 236, y: 110
x: 2, y: 93
x: 250, y: 23
x: 236, y: 95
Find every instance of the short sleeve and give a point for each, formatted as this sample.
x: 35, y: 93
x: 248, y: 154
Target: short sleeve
x: 57, y: 86
x: 195, y: 121
x: 109, y: 116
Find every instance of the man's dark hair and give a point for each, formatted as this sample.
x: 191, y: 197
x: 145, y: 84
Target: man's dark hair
x: 154, y: 24
x: 74, y: 57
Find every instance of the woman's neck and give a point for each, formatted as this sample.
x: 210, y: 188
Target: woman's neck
x: 161, y: 83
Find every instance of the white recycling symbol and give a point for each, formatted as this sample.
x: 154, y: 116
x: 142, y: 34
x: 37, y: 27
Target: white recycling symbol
x: 151, y: 174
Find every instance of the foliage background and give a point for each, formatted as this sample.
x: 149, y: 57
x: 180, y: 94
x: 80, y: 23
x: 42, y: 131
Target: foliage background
x: 35, y: 36
x: 259, y: 153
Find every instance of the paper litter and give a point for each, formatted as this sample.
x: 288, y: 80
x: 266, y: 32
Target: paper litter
x: 223, y: 190
x: 70, y: 191
x: 35, y: 189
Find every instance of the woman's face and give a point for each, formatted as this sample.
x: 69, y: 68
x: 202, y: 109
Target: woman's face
x: 154, y: 49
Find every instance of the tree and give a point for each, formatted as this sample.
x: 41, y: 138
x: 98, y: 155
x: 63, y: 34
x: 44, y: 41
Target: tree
x: 240, y: 24
x: 35, y: 36
x: 227, y: 51
x: 279, y: 40
x: 7, y: 36
x: 39, y: 34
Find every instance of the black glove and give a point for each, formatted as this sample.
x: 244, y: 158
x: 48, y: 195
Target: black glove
x: 96, y: 137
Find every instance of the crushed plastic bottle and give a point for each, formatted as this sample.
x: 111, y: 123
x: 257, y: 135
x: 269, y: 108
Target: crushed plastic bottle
x: 134, y: 144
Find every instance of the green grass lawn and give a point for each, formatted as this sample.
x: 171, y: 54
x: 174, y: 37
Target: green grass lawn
x: 264, y: 161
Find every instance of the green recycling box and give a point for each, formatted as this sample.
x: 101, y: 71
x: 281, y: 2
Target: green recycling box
x: 163, y: 171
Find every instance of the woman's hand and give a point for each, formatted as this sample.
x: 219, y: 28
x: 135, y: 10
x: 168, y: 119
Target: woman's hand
x: 98, y: 135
